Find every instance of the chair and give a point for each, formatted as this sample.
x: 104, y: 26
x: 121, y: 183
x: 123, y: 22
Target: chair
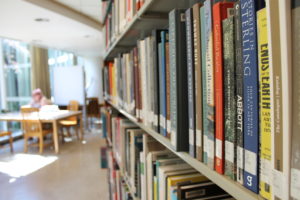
x: 71, y: 121
x: 7, y: 133
x: 32, y: 127
x: 93, y: 109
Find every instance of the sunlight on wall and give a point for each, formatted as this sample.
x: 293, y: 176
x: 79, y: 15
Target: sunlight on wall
x: 24, y: 164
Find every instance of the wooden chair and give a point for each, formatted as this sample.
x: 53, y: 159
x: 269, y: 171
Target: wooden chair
x: 7, y: 133
x: 93, y: 109
x: 32, y: 127
x: 71, y: 121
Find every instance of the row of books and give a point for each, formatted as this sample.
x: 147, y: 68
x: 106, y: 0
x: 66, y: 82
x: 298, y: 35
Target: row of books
x: 121, y: 12
x: 221, y: 83
x: 150, y: 170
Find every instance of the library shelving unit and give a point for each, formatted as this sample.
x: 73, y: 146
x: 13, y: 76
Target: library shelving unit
x: 154, y: 15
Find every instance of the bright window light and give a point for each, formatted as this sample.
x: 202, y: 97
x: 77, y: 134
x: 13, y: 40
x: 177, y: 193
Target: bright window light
x: 24, y: 164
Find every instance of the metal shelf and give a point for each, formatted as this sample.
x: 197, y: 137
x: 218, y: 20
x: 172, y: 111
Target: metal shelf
x: 232, y: 187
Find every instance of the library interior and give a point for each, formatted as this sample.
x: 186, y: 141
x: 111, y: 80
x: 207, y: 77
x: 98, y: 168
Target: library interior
x: 149, y: 99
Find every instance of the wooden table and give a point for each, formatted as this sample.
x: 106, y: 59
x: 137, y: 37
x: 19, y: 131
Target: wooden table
x: 52, y: 117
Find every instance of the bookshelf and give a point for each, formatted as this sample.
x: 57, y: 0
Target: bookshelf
x: 233, y: 188
x: 152, y: 15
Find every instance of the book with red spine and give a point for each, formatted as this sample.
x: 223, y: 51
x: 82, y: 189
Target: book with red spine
x: 220, y: 12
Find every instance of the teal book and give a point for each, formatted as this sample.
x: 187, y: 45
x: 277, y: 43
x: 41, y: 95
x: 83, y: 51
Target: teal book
x: 203, y: 60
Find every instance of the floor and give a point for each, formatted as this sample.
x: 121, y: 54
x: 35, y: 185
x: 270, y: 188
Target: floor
x: 73, y: 174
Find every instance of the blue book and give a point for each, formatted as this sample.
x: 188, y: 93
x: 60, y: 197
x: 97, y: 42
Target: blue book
x: 162, y: 104
x: 250, y: 93
x: 191, y: 81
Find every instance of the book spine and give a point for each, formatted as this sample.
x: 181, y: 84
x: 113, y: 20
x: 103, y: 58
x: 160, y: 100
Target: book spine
x: 219, y: 13
x: 161, y: 92
x: 203, y: 70
x: 229, y: 98
x: 140, y: 83
x: 168, y: 90
x: 286, y: 66
x: 239, y: 93
x: 198, y: 81
x: 295, y: 158
x: 163, y: 76
x: 178, y: 80
x: 250, y: 65
x: 265, y: 105
x: 190, y: 78
x: 156, y: 76
x: 209, y: 139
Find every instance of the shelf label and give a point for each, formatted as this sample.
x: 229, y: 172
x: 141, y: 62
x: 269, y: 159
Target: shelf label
x: 295, y: 183
x: 250, y: 162
x: 199, y: 138
x: 219, y: 148
x: 229, y: 151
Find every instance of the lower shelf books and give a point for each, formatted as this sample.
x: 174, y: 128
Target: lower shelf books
x: 150, y: 171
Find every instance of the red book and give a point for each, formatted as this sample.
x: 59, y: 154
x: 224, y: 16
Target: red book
x: 220, y: 12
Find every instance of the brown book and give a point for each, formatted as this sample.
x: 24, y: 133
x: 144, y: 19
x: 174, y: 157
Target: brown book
x: 295, y: 159
x: 198, y: 80
x: 136, y: 81
x: 168, y: 90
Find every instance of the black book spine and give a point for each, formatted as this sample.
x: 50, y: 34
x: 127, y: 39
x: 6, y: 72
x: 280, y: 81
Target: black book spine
x: 178, y: 80
x: 190, y: 79
x: 155, y: 34
x: 239, y: 92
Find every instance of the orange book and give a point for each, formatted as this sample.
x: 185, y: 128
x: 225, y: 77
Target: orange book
x: 220, y: 12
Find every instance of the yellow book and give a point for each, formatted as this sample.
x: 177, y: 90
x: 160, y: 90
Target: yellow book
x: 265, y: 105
x: 173, y: 181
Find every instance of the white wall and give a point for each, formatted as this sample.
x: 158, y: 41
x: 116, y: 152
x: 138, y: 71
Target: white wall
x: 93, y: 77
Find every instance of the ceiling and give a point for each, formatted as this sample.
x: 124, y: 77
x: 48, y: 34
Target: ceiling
x: 91, y: 8
x: 65, y: 30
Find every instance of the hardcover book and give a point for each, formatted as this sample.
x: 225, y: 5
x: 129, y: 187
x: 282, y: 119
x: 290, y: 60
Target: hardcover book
x: 190, y: 78
x: 251, y: 122
x: 265, y: 105
x: 295, y: 159
x: 220, y: 12
x: 229, y: 97
x: 178, y: 80
x: 239, y: 93
x: 198, y: 80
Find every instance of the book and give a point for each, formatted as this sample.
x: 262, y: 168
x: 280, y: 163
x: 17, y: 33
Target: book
x: 239, y: 93
x: 286, y: 66
x: 220, y: 12
x: 209, y: 131
x: 178, y: 80
x: 279, y: 52
x: 204, y: 88
x: 173, y: 182
x: 198, y: 80
x: 229, y: 97
x: 156, y: 40
x: 205, y: 189
x: 250, y: 92
x: 168, y: 114
x: 295, y: 159
x: 161, y: 170
x: 162, y: 83
x: 190, y: 78
x: 265, y: 105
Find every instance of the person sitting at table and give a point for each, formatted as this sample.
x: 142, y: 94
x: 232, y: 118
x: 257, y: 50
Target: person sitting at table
x: 38, y: 99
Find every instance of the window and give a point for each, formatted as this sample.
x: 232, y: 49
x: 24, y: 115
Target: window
x: 58, y: 58
x: 15, y: 74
